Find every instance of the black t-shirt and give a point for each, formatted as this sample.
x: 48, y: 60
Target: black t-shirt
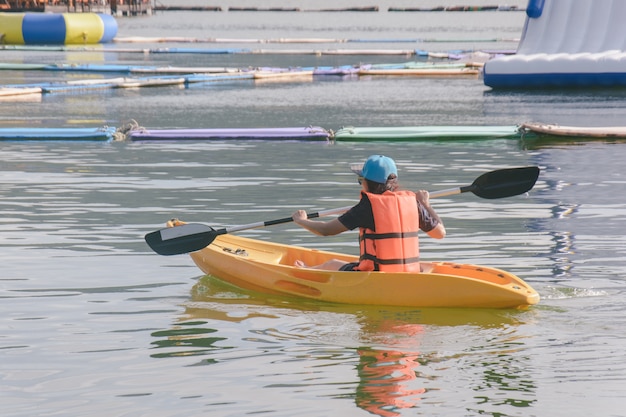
x: 361, y: 215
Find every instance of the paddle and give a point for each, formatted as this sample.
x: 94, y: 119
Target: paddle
x: 191, y: 237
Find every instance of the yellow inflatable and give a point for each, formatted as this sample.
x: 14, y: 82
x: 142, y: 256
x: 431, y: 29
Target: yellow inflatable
x: 56, y: 28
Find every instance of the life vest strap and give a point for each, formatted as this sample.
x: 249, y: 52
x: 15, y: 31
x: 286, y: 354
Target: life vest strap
x: 373, y: 258
x: 400, y: 235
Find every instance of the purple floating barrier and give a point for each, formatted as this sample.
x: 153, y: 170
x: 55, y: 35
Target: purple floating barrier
x: 293, y: 133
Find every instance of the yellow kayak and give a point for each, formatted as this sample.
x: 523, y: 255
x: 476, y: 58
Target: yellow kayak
x: 269, y: 267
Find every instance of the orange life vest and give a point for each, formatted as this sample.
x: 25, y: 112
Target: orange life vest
x: 394, y: 246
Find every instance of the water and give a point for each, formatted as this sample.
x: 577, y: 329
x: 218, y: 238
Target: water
x: 93, y: 323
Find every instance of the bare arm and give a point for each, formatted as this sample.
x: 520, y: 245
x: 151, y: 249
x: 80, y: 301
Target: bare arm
x: 439, y: 232
x: 322, y: 228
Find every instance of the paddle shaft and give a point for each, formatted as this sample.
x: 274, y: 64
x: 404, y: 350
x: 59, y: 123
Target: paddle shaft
x: 330, y: 212
x: 450, y: 191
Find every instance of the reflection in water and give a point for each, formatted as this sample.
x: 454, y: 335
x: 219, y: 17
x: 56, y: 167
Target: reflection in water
x: 385, y: 377
x: 189, y: 336
x: 563, y: 247
x: 505, y: 377
x: 564, y: 242
x: 399, y: 357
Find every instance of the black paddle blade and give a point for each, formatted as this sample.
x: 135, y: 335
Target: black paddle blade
x: 504, y: 183
x: 182, y: 239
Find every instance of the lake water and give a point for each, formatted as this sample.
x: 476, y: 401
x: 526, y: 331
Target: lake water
x: 93, y: 323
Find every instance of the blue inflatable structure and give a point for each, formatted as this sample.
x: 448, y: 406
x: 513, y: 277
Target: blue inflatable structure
x: 566, y: 44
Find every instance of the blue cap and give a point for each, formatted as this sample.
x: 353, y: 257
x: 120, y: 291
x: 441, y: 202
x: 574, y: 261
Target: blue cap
x: 378, y: 168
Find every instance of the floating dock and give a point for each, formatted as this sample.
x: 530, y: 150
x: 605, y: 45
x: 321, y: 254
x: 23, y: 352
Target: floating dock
x: 414, y: 133
x: 152, y: 76
x: 285, y: 133
x: 101, y: 134
x: 601, y: 132
x: 132, y: 132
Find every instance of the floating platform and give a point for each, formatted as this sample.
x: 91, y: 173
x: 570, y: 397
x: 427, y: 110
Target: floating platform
x: 6, y: 92
x: 415, y: 133
x: 312, y: 133
x: 135, y: 133
x: 263, y: 9
x: 422, y: 72
x: 188, y: 8
x: 453, y: 55
x: 282, y: 74
x: 150, y: 76
x: 503, y: 8
x: 618, y: 132
x: 490, y: 8
x: 56, y: 28
x: 91, y: 84
x: 58, y: 134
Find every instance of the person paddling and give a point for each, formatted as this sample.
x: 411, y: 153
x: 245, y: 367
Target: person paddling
x: 388, y: 220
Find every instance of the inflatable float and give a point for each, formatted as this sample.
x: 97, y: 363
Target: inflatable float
x: 56, y: 28
x: 104, y: 133
x: 565, y: 44
x: 131, y: 131
x: 412, y: 133
x: 288, y: 133
x: 608, y: 132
